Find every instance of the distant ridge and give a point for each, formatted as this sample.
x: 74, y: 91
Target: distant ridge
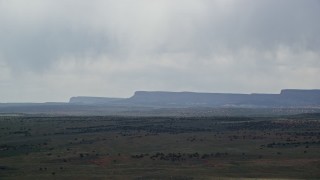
x: 93, y: 100
x: 286, y: 98
x: 162, y: 103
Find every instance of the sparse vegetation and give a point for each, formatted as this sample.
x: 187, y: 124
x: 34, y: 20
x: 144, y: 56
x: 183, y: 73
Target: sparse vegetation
x: 109, y: 147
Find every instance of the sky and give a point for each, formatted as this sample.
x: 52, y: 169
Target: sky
x: 51, y: 50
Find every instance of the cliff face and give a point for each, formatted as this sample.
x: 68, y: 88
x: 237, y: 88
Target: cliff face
x: 301, y: 97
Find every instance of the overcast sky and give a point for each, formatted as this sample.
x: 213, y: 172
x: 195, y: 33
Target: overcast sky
x: 51, y: 50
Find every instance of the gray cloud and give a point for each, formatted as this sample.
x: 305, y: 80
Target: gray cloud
x: 50, y: 50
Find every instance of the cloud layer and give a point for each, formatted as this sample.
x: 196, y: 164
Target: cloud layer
x: 51, y: 50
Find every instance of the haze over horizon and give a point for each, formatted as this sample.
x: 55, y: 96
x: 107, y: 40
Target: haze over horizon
x: 53, y: 50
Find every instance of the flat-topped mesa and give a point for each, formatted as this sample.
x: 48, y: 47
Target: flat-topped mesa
x: 301, y: 97
x: 185, y: 97
x: 301, y: 92
x: 287, y: 97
